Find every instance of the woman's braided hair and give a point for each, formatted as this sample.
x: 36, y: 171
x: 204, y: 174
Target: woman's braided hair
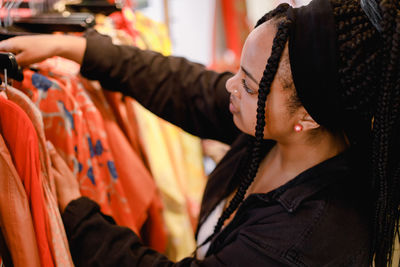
x: 370, y: 85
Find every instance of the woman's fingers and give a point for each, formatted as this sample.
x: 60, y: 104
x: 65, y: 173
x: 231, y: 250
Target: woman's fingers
x: 67, y: 186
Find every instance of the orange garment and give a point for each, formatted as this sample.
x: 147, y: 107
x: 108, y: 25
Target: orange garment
x: 135, y: 178
x: 154, y: 232
x: 58, y: 240
x: 21, y: 139
x: 128, y: 207
x: 66, y: 127
x: 126, y: 119
x: 15, y: 216
x: 95, y: 149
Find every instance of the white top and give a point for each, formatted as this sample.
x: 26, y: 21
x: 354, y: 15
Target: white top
x: 207, y: 228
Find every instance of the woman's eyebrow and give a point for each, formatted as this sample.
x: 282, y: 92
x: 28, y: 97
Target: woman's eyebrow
x: 249, y: 75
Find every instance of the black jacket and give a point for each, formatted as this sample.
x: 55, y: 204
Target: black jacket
x: 319, y: 218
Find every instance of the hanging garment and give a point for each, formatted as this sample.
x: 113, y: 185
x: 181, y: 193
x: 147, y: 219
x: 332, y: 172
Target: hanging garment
x: 175, y: 157
x: 126, y: 119
x: 110, y: 168
x: 15, y: 216
x: 184, y: 157
x: 65, y: 126
x: 137, y: 182
x: 58, y: 240
x: 180, y: 233
x: 396, y: 252
x: 22, y: 142
x: 106, y: 25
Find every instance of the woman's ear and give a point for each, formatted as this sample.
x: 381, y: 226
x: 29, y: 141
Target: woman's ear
x: 306, y: 121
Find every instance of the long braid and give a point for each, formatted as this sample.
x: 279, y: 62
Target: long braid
x: 264, y: 88
x: 265, y: 84
x: 370, y: 85
x: 381, y: 153
x: 396, y: 115
x: 386, y: 157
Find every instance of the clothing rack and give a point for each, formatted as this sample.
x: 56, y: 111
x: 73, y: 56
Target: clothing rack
x: 95, y: 7
x: 53, y: 22
x: 18, y: 17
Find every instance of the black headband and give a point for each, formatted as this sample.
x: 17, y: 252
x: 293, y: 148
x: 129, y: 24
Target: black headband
x: 313, y: 57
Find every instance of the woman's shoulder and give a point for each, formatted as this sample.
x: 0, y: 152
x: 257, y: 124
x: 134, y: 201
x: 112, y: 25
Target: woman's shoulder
x: 339, y: 229
x: 320, y: 218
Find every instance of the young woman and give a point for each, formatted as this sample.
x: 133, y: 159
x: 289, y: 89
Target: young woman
x: 312, y: 177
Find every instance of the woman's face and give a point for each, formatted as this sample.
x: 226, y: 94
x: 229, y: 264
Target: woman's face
x: 243, y: 88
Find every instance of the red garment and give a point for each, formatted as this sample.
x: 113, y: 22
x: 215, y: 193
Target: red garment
x: 15, y: 215
x: 22, y: 142
x: 121, y: 22
x: 58, y: 241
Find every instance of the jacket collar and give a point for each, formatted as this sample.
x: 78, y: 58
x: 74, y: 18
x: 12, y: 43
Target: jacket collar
x: 310, y: 182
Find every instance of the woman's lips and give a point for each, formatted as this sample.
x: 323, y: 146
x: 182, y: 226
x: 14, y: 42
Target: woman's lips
x: 232, y: 107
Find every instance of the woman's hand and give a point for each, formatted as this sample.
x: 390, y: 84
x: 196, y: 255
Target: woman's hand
x: 67, y: 186
x: 35, y: 48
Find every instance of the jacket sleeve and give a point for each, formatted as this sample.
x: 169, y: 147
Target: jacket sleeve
x: 181, y: 92
x: 95, y: 240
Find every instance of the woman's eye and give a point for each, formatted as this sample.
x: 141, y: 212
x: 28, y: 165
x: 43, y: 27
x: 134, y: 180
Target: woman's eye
x: 248, y: 90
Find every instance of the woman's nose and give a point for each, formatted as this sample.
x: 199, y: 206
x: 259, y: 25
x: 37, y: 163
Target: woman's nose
x: 232, y: 86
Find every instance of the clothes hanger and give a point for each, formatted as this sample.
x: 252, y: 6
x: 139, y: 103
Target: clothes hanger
x: 10, y: 68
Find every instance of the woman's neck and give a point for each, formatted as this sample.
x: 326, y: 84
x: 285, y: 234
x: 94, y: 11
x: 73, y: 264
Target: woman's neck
x: 299, y: 156
x: 285, y: 161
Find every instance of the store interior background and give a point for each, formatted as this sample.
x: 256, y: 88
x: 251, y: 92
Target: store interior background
x: 197, y: 27
x: 210, y: 32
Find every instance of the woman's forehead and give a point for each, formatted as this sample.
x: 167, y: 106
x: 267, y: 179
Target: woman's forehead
x: 257, y: 49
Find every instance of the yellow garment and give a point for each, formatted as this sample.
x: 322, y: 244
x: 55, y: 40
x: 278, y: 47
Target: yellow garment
x: 185, y: 152
x: 179, y: 230
x: 154, y: 35
x: 396, y: 253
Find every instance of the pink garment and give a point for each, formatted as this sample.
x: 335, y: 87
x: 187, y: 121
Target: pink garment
x: 21, y: 140
x: 58, y: 240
